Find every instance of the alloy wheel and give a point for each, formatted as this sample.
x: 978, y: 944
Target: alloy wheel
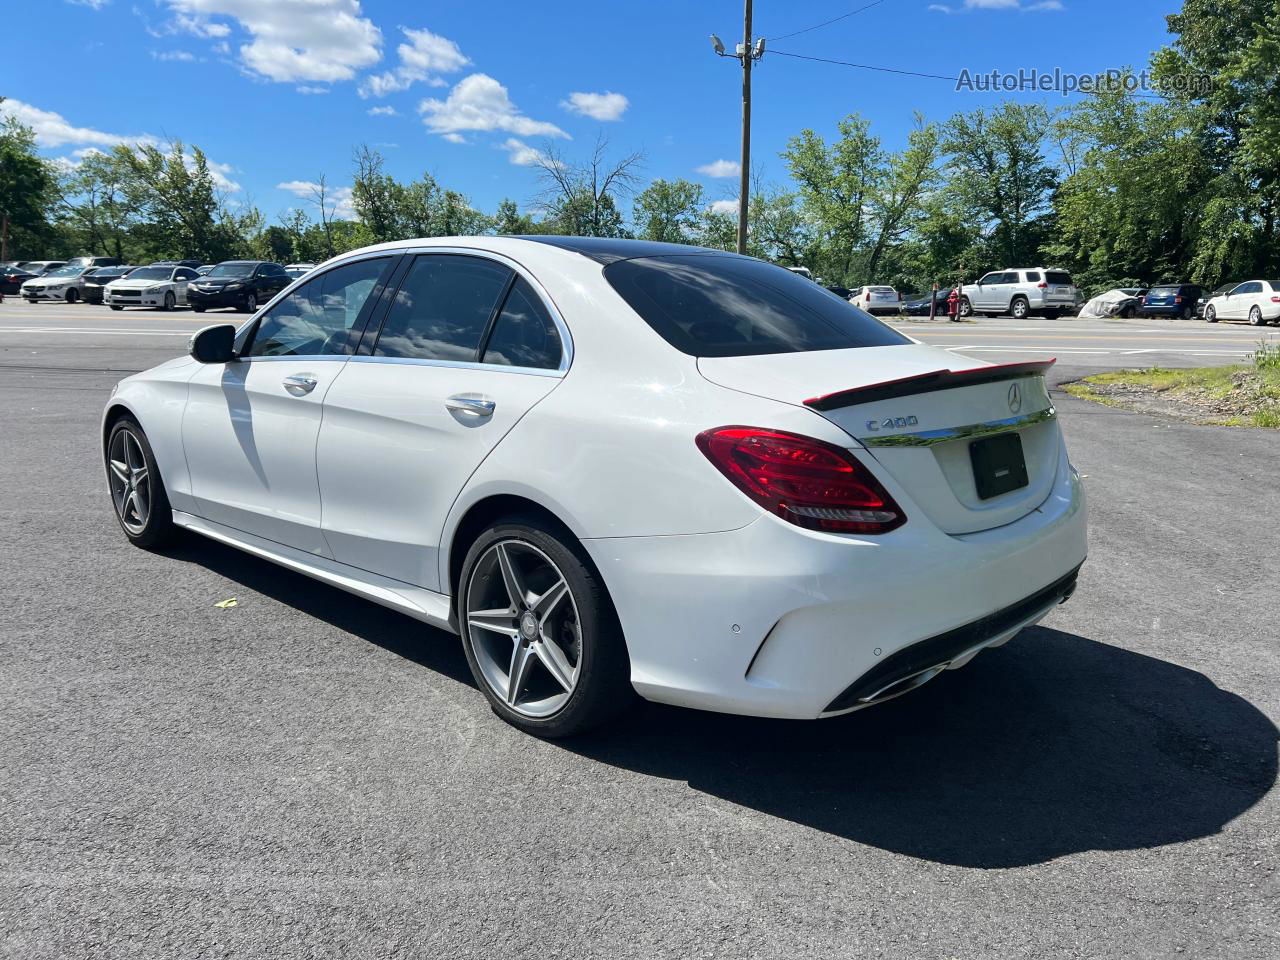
x: 130, y: 481
x: 523, y: 626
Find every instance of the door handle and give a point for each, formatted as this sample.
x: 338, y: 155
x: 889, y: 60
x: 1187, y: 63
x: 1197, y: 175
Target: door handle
x: 300, y: 384
x: 471, y: 405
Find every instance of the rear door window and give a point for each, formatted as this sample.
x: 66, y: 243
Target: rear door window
x: 442, y: 308
x: 726, y: 306
x: 524, y: 335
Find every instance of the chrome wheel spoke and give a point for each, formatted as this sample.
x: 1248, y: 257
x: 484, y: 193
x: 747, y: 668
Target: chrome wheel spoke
x: 120, y: 470
x: 510, y: 578
x: 139, y: 476
x: 495, y: 621
x: 546, y: 604
x: 521, y: 659
x: 556, y: 662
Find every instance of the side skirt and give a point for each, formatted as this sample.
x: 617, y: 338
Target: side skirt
x: 417, y: 602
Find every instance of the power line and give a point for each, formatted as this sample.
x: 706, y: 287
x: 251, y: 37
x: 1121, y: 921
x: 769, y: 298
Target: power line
x: 862, y: 66
x: 824, y: 23
x: 928, y: 76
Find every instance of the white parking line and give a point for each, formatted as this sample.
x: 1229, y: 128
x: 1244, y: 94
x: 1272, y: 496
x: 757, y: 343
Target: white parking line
x: 95, y: 331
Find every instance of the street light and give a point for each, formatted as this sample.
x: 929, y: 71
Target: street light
x: 747, y: 53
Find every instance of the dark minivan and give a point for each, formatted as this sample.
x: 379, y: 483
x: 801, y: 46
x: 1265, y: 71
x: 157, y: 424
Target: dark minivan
x: 1171, y: 300
x: 243, y: 284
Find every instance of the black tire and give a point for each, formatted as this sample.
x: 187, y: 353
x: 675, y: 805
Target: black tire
x: 250, y: 304
x: 73, y: 295
x: 1255, y: 318
x: 1019, y: 308
x: 159, y: 528
x: 170, y: 301
x: 603, y: 688
x: 116, y: 307
x: 966, y: 308
x: 1210, y: 315
x: 1186, y: 314
x: 1128, y: 312
x: 198, y: 307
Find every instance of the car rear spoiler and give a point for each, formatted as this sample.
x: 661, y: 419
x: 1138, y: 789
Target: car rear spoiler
x: 928, y: 383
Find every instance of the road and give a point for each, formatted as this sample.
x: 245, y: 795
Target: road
x: 306, y: 774
x: 1079, y: 345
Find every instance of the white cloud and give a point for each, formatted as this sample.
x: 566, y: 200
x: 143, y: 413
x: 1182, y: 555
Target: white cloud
x: 521, y: 154
x: 1022, y: 6
x: 480, y: 102
x: 174, y: 55
x: 94, y: 4
x: 53, y: 130
x: 337, y: 199
x: 382, y: 111
x: 305, y: 89
x: 598, y: 106
x: 724, y: 206
x: 455, y: 138
x: 291, y: 40
x: 720, y: 168
x: 425, y: 55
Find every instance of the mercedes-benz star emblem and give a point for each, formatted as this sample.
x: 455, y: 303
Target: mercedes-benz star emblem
x: 1015, y: 398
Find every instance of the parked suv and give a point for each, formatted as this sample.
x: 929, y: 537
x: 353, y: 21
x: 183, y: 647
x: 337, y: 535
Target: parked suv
x: 1171, y: 300
x: 877, y: 299
x: 1020, y: 292
x: 243, y: 284
x: 89, y: 262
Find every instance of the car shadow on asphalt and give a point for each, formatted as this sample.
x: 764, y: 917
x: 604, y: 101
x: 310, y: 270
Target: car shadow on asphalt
x: 1051, y: 745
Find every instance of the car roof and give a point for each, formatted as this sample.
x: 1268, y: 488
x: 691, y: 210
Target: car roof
x: 607, y: 250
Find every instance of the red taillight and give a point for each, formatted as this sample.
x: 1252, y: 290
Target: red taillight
x: 802, y: 480
x: 1042, y: 286
x: 1275, y: 299
x: 1177, y: 299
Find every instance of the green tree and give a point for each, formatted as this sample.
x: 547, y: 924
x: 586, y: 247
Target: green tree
x: 28, y: 187
x: 176, y: 201
x: 897, y: 206
x: 837, y: 185
x: 998, y: 172
x: 668, y: 211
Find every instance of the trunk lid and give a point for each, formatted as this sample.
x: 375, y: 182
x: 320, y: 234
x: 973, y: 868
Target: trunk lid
x: 918, y: 410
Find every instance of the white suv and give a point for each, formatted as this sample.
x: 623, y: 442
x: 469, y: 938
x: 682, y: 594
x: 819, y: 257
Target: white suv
x: 1020, y: 292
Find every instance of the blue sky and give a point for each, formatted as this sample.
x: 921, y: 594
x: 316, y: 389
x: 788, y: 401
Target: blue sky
x: 278, y: 92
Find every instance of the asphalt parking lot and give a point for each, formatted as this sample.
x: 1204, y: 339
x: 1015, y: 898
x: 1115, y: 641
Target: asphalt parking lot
x: 307, y: 774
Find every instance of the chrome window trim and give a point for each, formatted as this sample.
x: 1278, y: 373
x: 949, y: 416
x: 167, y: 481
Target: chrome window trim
x: 566, y: 338
x: 462, y: 365
x: 974, y: 431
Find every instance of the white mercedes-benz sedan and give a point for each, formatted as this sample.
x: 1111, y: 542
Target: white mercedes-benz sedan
x: 617, y: 468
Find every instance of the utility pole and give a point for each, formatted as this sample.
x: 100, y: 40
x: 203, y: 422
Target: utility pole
x: 748, y: 52
x: 744, y: 179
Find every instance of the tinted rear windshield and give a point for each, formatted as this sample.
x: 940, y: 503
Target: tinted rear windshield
x: 1055, y: 277
x: 1164, y: 291
x: 712, y: 306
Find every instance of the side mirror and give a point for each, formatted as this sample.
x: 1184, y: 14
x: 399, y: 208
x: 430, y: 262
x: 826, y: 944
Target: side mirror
x: 214, y: 344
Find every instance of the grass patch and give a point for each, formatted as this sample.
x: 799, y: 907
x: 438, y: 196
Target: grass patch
x: 1245, y: 395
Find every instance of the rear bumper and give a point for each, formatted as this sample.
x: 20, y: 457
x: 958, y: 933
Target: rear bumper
x: 1163, y: 310
x: 772, y: 620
